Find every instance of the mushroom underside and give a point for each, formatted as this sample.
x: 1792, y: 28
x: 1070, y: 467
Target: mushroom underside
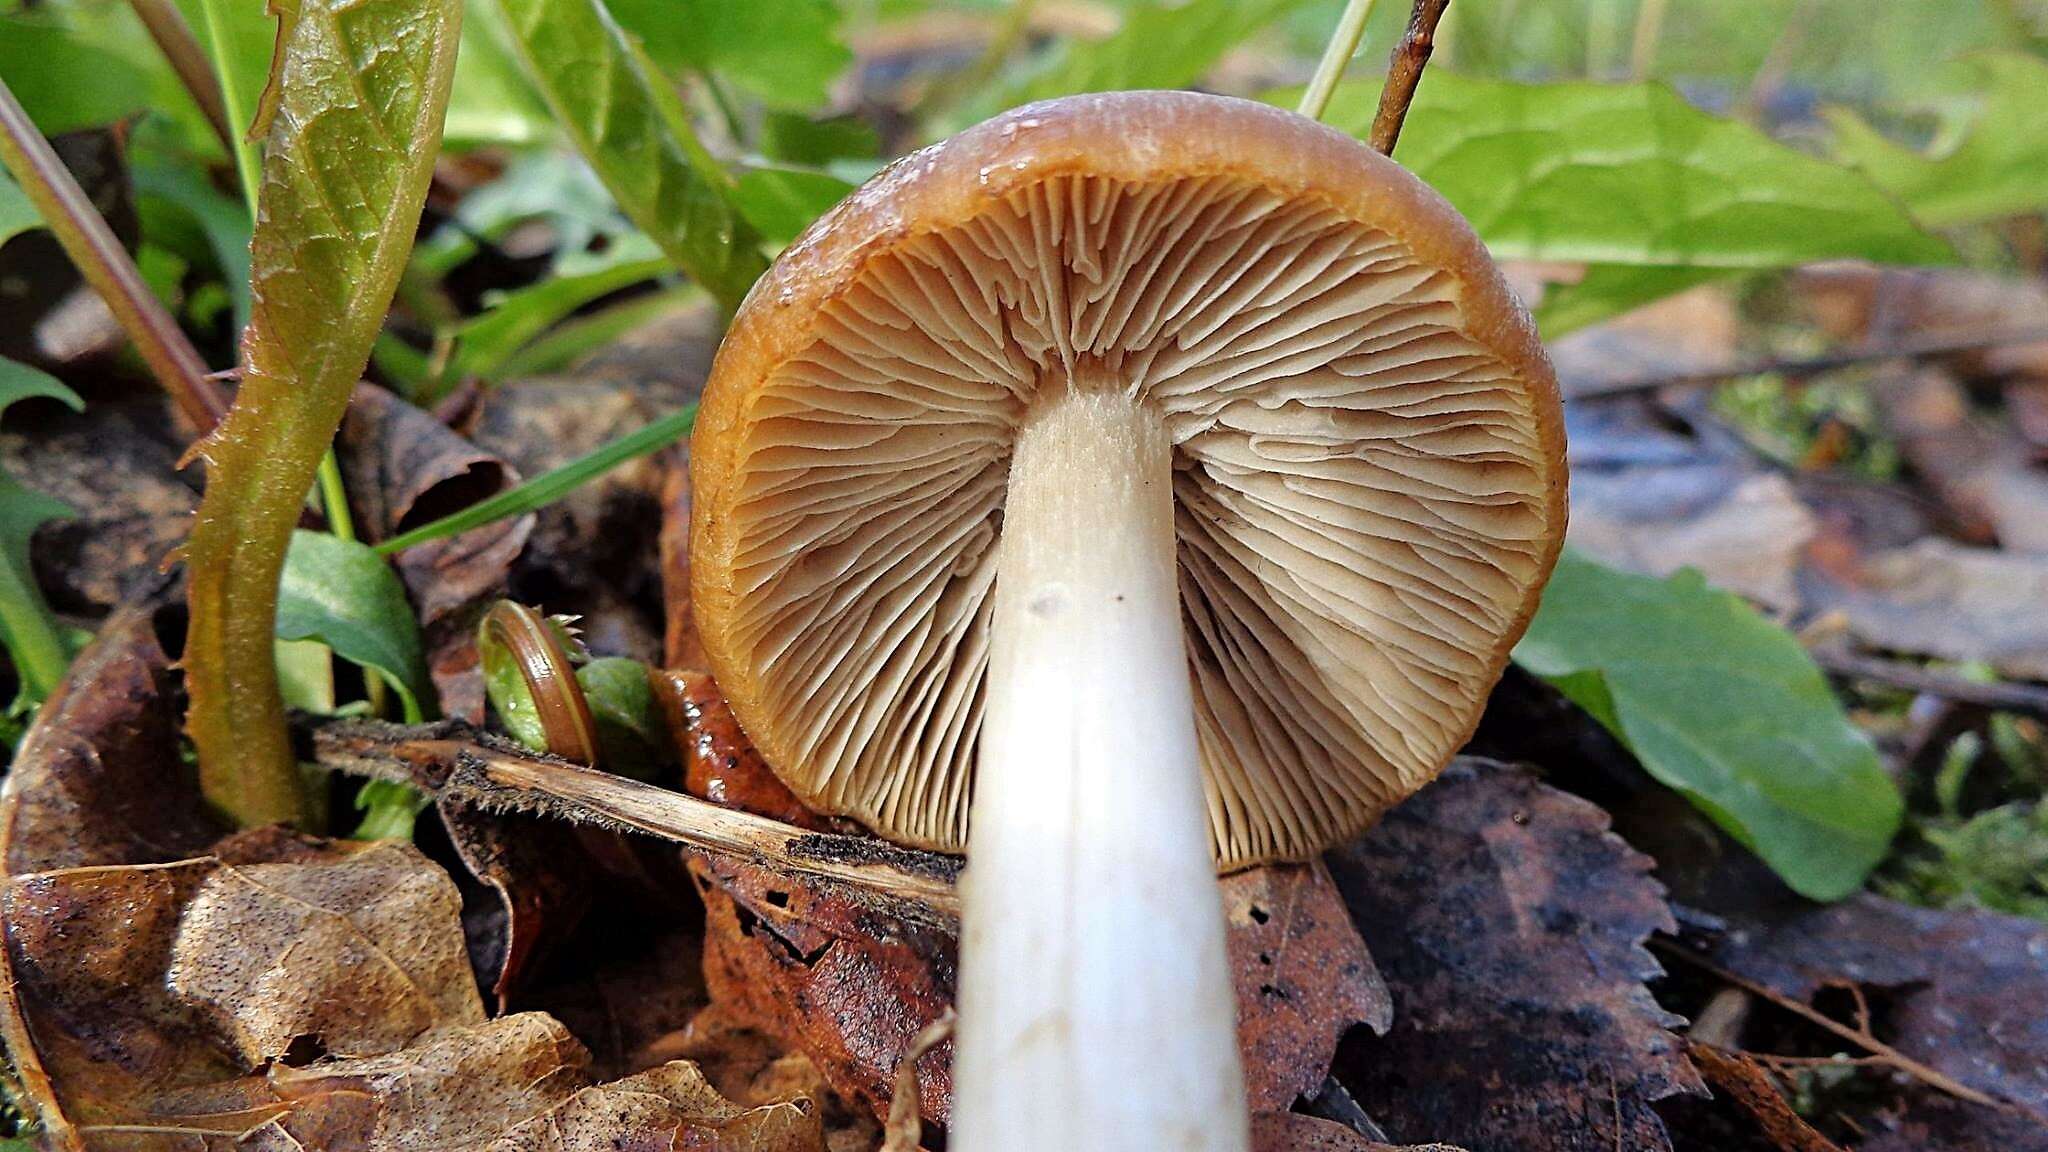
x: 1360, y: 508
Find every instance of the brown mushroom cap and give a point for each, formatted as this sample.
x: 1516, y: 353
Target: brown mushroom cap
x: 1369, y: 472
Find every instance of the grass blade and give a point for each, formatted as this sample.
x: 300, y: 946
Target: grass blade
x: 549, y: 487
x: 362, y: 88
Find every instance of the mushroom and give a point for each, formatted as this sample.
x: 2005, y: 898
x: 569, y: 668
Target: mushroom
x: 1132, y: 486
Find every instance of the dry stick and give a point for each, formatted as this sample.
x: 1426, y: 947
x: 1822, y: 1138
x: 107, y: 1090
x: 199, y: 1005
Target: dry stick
x: 105, y: 265
x: 1642, y: 54
x: 175, y: 40
x: 2027, y: 699
x: 1404, y: 72
x: 1343, y: 44
x: 1884, y: 1053
x: 453, y: 761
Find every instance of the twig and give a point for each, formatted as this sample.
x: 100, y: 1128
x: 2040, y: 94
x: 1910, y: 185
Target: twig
x: 1404, y: 72
x: 175, y: 40
x: 2026, y: 699
x: 1330, y: 69
x: 1912, y: 349
x: 453, y: 761
x: 105, y: 265
x: 1885, y: 1053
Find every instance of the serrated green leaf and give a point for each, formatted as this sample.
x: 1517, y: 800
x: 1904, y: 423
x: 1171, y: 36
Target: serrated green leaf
x: 786, y: 53
x: 1157, y: 45
x: 37, y: 645
x: 605, y: 99
x: 17, y: 215
x: 346, y: 596
x: 1631, y: 174
x: 1725, y: 707
x: 1990, y: 159
x: 363, y: 89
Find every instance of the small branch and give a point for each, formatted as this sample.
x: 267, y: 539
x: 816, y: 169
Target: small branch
x: 1884, y: 1053
x: 1330, y: 69
x: 1914, y: 349
x: 175, y: 40
x: 1642, y: 55
x: 105, y: 265
x: 2026, y: 699
x: 1404, y: 72
x: 453, y: 761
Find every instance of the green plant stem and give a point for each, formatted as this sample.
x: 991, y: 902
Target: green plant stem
x: 551, y: 486
x: 1343, y: 45
x: 175, y: 40
x: 37, y: 649
x: 106, y: 266
x: 247, y: 164
x: 334, y: 498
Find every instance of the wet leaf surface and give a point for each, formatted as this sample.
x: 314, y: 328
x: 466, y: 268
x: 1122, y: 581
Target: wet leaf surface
x: 99, y: 779
x: 1508, y: 923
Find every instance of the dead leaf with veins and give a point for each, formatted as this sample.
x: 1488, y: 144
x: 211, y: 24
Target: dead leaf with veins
x: 1508, y: 922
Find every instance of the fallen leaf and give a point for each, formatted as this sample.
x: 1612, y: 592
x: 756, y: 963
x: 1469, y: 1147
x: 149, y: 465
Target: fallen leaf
x: 540, y: 877
x: 98, y: 779
x: 680, y: 645
x: 1288, y: 1132
x: 403, y: 468
x: 719, y: 762
x: 1937, y: 1123
x: 1947, y: 600
x: 1691, y: 333
x: 1651, y: 493
x: 1866, y: 304
x: 1955, y: 977
x: 1982, y: 469
x: 116, y: 466
x: 1508, y: 923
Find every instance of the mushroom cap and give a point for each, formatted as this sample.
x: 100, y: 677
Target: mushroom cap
x: 1368, y: 456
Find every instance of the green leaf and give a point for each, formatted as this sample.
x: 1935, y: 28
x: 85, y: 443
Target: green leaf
x: 1632, y: 174
x: 630, y: 726
x: 571, y: 341
x: 1608, y: 290
x: 589, y: 73
x: 17, y: 215
x: 781, y: 200
x: 1990, y: 159
x: 389, y: 810
x: 39, y: 648
x: 1725, y: 707
x: 786, y: 53
x: 164, y: 184
x: 486, y: 342
x: 492, y: 102
x: 65, y: 80
x: 553, y: 187
x: 1158, y: 45
x: 346, y: 596
x: 549, y: 487
x: 363, y: 85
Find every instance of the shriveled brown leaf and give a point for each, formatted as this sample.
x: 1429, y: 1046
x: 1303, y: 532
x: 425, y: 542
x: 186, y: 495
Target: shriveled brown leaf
x: 670, y: 1106
x: 1303, y: 978
x: 540, y: 878
x: 593, y: 552
x: 1955, y: 978
x: 403, y: 468
x: 98, y: 778
x: 1508, y: 922
x: 116, y: 465
x: 1289, y: 1132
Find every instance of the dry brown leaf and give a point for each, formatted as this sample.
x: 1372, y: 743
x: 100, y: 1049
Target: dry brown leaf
x: 1289, y: 1132
x: 1948, y: 600
x: 1508, y: 922
x: 403, y: 469
x: 98, y: 778
x: 540, y: 878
